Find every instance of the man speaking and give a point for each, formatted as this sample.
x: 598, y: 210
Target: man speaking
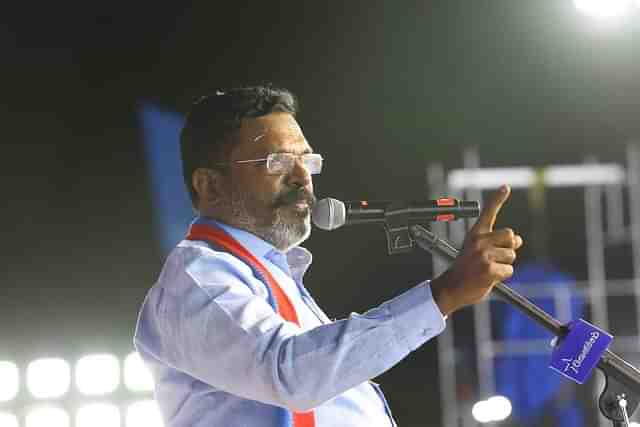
x: 230, y: 333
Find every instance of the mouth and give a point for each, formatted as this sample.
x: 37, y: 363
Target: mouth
x: 301, y: 207
x: 298, y: 202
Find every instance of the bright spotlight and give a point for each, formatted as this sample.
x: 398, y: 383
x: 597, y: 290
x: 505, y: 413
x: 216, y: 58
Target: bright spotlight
x: 481, y: 411
x: 98, y: 374
x: 8, y: 420
x: 144, y: 413
x: 136, y: 375
x: 48, y: 416
x: 48, y: 378
x: 496, y: 408
x: 10, y: 383
x: 500, y: 407
x: 98, y: 415
x: 603, y: 8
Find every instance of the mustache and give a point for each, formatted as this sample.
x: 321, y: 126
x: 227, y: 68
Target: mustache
x: 296, y: 196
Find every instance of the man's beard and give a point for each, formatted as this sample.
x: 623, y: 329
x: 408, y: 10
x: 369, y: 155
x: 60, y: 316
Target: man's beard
x: 285, y: 228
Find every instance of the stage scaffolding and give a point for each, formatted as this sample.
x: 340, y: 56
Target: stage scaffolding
x: 609, y: 189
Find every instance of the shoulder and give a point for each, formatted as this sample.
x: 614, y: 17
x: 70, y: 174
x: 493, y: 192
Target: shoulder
x: 195, y: 263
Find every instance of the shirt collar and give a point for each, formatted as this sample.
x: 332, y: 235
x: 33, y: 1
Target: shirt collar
x: 253, y: 243
x: 298, y: 258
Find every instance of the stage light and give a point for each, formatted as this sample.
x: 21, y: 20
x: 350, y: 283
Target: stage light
x: 48, y: 378
x: 496, y: 408
x: 136, y: 375
x: 500, y: 407
x: 98, y: 415
x: 98, y: 374
x: 10, y: 383
x: 8, y: 420
x: 144, y: 413
x: 48, y: 416
x: 482, y: 412
x: 603, y: 8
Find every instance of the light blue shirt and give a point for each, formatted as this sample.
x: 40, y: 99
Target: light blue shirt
x: 221, y: 356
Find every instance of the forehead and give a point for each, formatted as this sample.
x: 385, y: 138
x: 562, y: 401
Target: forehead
x: 275, y: 132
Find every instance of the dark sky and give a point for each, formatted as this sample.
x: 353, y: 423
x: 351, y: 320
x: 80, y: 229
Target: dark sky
x: 385, y: 88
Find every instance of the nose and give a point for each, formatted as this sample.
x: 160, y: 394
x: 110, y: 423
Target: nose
x: 300, y: 175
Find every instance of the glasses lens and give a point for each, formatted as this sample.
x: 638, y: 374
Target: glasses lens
x: 283, y: 163
x: 280, y: 163
x: 313, y: 163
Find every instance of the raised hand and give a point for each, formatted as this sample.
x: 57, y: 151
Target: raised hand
x: 486, y: 258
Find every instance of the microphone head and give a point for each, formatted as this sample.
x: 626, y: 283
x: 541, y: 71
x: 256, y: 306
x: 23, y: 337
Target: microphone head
x: 329, y: 214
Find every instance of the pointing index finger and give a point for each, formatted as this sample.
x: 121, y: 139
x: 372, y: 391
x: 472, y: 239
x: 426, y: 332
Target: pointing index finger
x: 489, y: 213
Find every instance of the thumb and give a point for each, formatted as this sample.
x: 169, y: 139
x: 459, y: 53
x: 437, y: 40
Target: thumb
x: 489, y: 213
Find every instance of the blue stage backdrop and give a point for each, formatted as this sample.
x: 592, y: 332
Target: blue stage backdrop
x: 527, y: 380
x: 172, y: 207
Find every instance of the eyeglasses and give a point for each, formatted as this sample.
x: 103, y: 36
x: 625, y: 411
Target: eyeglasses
x: 283, y: 163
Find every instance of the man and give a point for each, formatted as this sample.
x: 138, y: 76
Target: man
x: 231, y: 335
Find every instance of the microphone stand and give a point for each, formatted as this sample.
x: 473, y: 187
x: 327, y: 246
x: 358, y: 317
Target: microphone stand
x: 621, y: 394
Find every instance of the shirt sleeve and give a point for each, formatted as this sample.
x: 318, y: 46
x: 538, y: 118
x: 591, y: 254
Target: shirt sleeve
x: 204, y: 318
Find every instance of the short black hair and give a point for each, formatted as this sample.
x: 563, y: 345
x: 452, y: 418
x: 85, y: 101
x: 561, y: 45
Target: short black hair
x: 207, y: 136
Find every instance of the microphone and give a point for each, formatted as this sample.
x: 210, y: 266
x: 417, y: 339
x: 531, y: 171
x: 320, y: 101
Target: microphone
x: 329, y: 214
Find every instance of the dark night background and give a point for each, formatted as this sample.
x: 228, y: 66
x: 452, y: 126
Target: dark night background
x: 385, y: 88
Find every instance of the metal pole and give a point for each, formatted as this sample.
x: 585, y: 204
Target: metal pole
x: 615, y: 212
x: 596, y: 264
x: 481, y: 312
x: 595, y: 254
x: 633, y: 183
x: 436, y: 187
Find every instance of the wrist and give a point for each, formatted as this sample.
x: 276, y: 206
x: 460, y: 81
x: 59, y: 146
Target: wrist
x: 441, y: 296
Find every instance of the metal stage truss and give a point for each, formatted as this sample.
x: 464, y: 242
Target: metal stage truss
x: 612, y: 217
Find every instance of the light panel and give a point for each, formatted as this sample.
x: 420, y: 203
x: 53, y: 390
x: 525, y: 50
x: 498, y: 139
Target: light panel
x: 98, y: 374
x: 98, y: 415
x: 48, y: 378
x: 10, y: 384
x: 48, y: 416
x: 144, y: 413
x: 516, y: 177
x: 603, y: 8
x: 8, y: 420
x: 524, y: 177
x: 136, y: 375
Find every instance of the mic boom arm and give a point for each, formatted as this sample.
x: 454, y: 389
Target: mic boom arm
x: 622, y: 378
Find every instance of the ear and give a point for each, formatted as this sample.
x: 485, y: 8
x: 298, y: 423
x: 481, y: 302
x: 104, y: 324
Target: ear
x: 207, y: 185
